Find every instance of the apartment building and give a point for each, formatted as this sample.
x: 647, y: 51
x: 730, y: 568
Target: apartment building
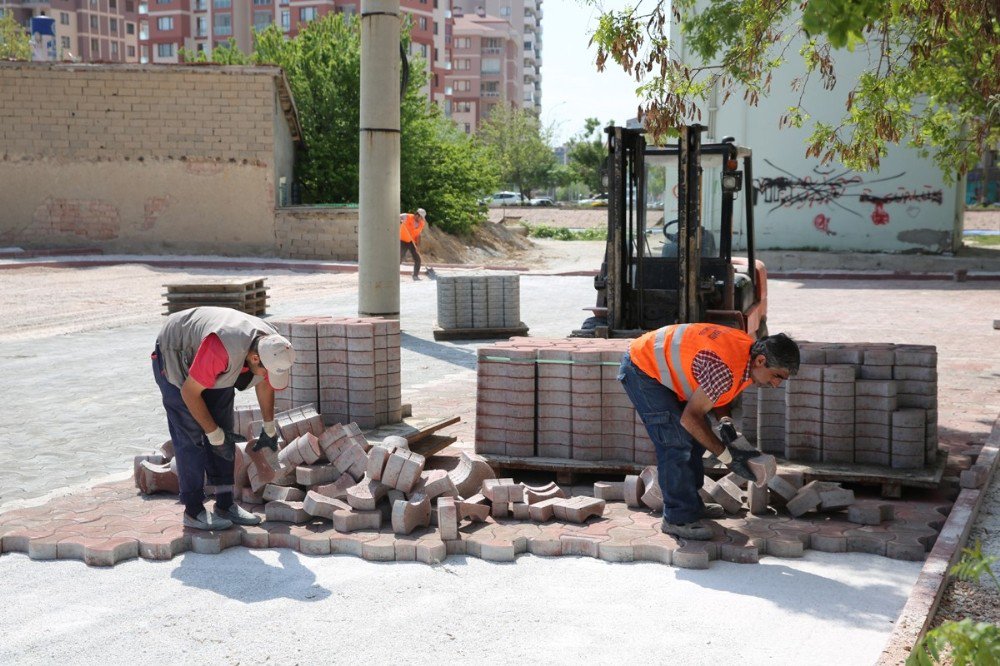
x: 525, y: 19
x: 86, y: 30
x: 486, y: 69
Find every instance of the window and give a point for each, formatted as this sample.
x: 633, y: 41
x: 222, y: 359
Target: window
x: 165, y: 23
x: 129, y: 9
x: 286, y: 19
x: 95, y: 48
x: 114, y: 27
x: 130, y: 28
x: 130, y: 50
x: 114, y: 50
x: 463, y: 107
x: 201, y: 26
x: 462, y: 86
x: 468, y: 128
x: 222, y: 24
x: 200, y: 5
x: 423, y: 51
x: 65, y: 43
x: 423, y: 22
x: 307, y: 14
x: 491, y: 66
x: 64, y: 18
x: 505, y: 11
x: 463, y: 42
x: 93, y: 22
x: 492, y: 43
x: 261, y: 20
x: 463, y: 64
x: 165, y: 50
x: 163, y: 2
x: 113, y: 5
x: 222, y: 4
x: 261, y: 2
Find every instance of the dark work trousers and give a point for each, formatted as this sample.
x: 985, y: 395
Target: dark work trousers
x: 195, y: 459
x: 679, y: 466
x: 405, y: 247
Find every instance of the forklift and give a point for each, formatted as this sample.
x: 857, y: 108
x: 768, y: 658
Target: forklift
x: 694, y: 277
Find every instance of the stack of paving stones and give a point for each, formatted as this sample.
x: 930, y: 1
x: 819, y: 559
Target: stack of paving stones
x: 479, y: 301
x: 349, y: 367
x: 870, y: 403
x: 557, y: 398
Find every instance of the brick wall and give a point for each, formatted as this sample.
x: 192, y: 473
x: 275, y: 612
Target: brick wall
x: 143, y: 157
x: 317, y: 232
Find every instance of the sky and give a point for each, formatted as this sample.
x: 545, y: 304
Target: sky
x: 572, y: 88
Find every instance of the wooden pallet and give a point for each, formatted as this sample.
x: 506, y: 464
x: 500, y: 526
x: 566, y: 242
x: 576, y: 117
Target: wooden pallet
x: 419, y: 433
x: 480, y: 333
x: 566, y: 470
x: 249, y: 296
x: 892, y: 481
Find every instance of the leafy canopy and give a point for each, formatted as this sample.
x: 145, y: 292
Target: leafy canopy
x: 586, y: 154
x: 520, y: 148
x: 442, y: 170
x: 932, y: 80
x: 15, y: 43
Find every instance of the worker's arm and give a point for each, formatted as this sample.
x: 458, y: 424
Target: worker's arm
x: 191, y: 395
x: 693, y: 420
x: 265, y: 397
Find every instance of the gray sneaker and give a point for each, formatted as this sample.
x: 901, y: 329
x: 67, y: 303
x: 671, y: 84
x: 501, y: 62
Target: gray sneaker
x: 207, y: 521
x: 696, y: 531
x: 713, y: 511
x: 237, y: 515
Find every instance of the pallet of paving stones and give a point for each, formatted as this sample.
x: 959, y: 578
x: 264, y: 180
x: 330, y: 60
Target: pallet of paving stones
x: 249, y: 296
x: 566, y: 471
x: 480, y: 333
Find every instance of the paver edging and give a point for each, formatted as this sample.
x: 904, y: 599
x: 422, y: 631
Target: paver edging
x: 922, y: 604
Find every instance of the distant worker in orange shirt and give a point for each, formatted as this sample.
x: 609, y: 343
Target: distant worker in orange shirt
x: 410, y: 227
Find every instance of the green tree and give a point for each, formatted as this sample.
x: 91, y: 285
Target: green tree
x: 586, y: 155
x: 15, y: 43
x: 933, y: 78
x: 442, y: 170
x: 519, y: 147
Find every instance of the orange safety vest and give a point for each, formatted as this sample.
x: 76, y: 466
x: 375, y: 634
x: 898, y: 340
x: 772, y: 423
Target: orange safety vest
x: 409, y: 229
x: 667, y: 355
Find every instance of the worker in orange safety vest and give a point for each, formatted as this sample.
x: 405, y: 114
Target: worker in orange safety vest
x: 410, y: 227
x: 675, y: 376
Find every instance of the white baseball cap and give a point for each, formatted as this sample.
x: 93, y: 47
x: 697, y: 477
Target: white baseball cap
x: 421, y: 212
x: 276, y: 355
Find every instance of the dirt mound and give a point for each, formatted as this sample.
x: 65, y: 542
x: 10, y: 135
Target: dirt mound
x: 487, y: 241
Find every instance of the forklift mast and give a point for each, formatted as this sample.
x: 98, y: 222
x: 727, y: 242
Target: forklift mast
x: 638, y: 291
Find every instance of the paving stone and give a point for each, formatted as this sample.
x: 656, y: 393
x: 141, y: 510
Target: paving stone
x: 869, y: 512
x: 447, y: 518
x: 835, y: 497
x: 286, y: 512
x: 726, y: 493
x: 409, y: 475
x: 365, y: 495
x: 739, y: 553
x: 353, y: 460
x: 502, y: 490
x: 782, y: 488
x: 652, y: 497
x: 393, y: 466
x: 544, y: 510
x: 534, y: 494
x: 436, y: 483
x: 764, y: 468
x: 337, y: 489
x: 500, y: 509
x: 782, y: 547
x: 154, y: 478
x: 378, y: 456
x: 690, y: 556
x: 578, y: 509
x: 633, y: 489
x: 408, y: 515
x: 610, y: 491
x: 322, y: 506
x: 303, y: 450
x: 520, y: 510
x: 828, y: 543
x: 355, y: 521
x: 806, y: 499
x: 316, y: 475
x: 473, y: 511
x: 974, y: 477
x: 274, y: 493
x: 758, y: 498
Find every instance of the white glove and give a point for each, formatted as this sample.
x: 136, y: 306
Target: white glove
x: 271, y: 428
x: 217, y: 437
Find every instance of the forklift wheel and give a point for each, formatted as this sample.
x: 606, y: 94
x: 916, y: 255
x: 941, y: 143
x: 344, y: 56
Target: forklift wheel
x: 590, y: 323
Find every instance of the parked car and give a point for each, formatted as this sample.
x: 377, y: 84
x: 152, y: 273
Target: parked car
x: 506, y: 199
x: 594, y: 201
x: 542, y: 201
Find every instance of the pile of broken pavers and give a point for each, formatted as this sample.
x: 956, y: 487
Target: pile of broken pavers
x: 334, y: 473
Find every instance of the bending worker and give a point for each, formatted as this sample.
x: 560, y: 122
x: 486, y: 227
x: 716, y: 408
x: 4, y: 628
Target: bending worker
x: 675, y: 376
x: 410, y: 227
x: 202, y: 356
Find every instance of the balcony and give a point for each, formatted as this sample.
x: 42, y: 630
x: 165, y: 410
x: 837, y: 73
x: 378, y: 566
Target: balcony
x: 529, y: 58
x: 143, y: 8
x: 529, y: 77
x: 489, y: 93
x: 492, y: 50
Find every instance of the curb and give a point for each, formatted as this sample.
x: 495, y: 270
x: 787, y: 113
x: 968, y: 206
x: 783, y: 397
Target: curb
x: 922, y: 604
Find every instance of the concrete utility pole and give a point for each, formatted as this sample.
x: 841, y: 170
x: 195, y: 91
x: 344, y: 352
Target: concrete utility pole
x: 378, y: 228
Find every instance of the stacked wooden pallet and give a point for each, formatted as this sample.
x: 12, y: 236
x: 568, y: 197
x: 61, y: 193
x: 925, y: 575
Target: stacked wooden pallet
x: 249, y: 296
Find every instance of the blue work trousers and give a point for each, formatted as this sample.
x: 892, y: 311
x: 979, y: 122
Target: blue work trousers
x: 679, y: 467
x: 195, y: 459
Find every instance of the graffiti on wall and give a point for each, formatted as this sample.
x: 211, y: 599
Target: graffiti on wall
x: 828, y: 188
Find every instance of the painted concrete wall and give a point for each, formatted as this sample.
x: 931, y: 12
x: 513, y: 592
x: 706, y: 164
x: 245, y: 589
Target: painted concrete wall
x: 904, y: 207
x: 317, y: 232
x: 130, y: 158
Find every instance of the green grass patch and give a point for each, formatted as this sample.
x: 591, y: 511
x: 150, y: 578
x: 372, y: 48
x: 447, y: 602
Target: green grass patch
x: 561, y: 233
x: 990, y: 240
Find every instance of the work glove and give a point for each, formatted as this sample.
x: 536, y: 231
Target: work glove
x: 730, y: 436
x: 223, y: 443
x: 736, y: 459
x: 268, y: 438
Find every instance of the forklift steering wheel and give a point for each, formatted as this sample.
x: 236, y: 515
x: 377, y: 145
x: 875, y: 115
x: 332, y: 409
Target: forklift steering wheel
x: 671, y: 236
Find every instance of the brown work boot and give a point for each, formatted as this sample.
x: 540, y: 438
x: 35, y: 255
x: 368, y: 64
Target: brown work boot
x: 696, y: 531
